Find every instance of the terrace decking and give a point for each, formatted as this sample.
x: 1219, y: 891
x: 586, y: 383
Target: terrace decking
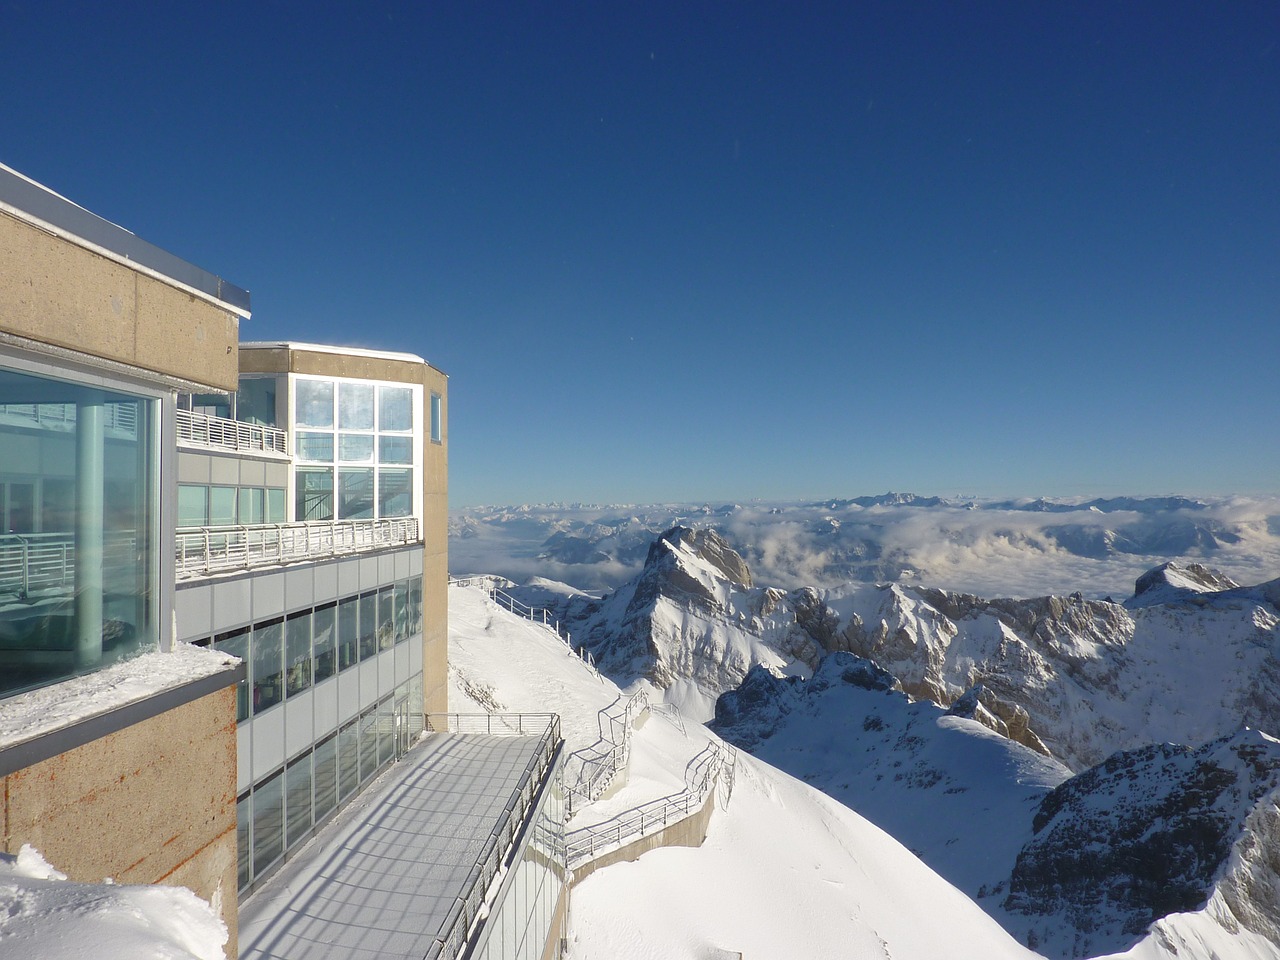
x: 394, y: 875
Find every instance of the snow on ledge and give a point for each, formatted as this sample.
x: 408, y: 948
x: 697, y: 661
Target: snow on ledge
x: 38, y: 712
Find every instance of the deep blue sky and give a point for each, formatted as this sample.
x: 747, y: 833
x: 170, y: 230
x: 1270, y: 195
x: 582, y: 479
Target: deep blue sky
x: 721, y: 251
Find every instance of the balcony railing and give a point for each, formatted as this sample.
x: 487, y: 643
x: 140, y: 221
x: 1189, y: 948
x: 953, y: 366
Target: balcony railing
x: 499, y: 847
x: 206, y: 431
x: 43, y: 564
x: 205, y: 550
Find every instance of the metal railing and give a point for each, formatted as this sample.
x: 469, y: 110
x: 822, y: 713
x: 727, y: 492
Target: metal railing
x: 206, y: 431
x: 715, y: 765
x: 34, y: 562
x: 122, y: 417
x: 599, y: 763
x: 483, y: 880
x: 205, y: 550
x: 490, y: 584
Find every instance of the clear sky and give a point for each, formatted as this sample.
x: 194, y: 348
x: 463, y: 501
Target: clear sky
x: 695, y: 251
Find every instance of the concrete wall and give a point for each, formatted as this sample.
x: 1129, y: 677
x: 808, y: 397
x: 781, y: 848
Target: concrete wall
x: 152, y: 803
x: 552, y: 950
x: 54, y: 291
x: 689, y: 832
x: 435, y: 562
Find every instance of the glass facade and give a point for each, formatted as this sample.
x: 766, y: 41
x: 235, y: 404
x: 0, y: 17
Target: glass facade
x: 528, y: 917
x: 357, y: 442
x: 79, y: 545
x: 201, y: 505
x: 282, y: 810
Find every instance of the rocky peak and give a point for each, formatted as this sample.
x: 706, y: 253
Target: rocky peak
x: 1174, y: 580
x: 1158, y: 823
x: 1010, y: 720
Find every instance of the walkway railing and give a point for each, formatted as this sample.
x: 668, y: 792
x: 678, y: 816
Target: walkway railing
x: 206, y: 431
x: 205, y: 550
x: 598, y: 764
x: 715, y: 765
x: 490, y: 584
x: 35, y: 562
x: 472, y: 905
x: 120, y: 417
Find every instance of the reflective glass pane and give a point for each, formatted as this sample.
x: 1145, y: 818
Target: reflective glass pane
x: 252, y: 504
x: 298, y: 651
x: 324, y: 630
x: 244, y: 825
x: 314, y: 447
x: 222, y: 506
x: 268, y: 664
x: 256, y: 401
x: 326, y: 777
x: 368, y: 625
x: 314, y: 494
x: 437, y: 418
x: 386, y: 618
x: 298, y: 799
x: 395, y: 449
x: 79, y: 537
x: 355, y: 447
x: 236, y: 643
x: 395, y: 408
x: 348, y: 632
x: 348, y: 760
x: 395, y: 493
x: 193, y: 505
x: 355, y: 406
x: 268, y: 823
x: 275, y: 506
x: 313, y: 406
x: 355, y: 494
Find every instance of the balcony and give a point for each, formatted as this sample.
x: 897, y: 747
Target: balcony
x: 201, y: 551
x: 199, y: 430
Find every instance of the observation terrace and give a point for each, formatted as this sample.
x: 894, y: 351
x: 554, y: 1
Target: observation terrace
x: 458, y: 850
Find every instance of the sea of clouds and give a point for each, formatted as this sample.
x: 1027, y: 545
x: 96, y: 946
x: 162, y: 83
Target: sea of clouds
x: 976, y: 547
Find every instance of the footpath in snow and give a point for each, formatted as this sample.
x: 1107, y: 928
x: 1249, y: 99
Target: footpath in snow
x: 785, y: 872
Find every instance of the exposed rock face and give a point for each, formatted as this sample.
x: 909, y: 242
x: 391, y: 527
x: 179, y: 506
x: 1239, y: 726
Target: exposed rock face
x: 1146, y: 834
x: 1174, y: 581
x: 1007, y: 719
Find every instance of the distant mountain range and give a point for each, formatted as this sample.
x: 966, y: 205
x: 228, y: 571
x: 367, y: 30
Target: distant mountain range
x: 1022, y: 547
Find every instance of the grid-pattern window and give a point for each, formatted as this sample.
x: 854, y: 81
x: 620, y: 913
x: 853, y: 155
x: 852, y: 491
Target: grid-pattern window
x: 357, y: 443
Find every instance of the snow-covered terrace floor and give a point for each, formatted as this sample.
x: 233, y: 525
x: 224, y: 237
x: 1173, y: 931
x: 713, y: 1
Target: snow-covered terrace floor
x: 381, y: 879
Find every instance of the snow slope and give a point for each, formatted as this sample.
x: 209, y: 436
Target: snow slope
x: 785, y: 872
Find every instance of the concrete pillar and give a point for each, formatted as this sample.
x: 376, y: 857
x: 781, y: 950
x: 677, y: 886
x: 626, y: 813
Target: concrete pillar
x: 90, y: 475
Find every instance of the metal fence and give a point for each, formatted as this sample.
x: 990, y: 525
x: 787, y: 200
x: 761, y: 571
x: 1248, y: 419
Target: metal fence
x: 34, y: 562
x: 204, y: 550
x: 714, y: 765
x: 206, y: 431
x: 121, y: 417
x: 598, y: 764
x: 472, y: 905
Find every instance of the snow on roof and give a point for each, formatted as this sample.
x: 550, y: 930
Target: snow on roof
x: 330, y: 348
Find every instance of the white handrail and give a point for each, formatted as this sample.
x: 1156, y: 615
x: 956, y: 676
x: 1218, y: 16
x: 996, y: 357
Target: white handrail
x: 204, y: 550
x: 715, y: 765
x: 599, y: 763
x: 206, y: 431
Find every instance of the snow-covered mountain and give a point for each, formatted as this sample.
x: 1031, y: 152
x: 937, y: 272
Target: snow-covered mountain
x: 1071, y: 865
x: 1011, y: 547
x: 1080, y: 678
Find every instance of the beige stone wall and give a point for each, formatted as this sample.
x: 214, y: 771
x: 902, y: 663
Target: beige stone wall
x: 435, y: 560
x: 57, y: 292
x: 153, y: 803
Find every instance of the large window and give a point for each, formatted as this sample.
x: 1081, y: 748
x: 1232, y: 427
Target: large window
x: 358, y: 443
x: 79, y: 549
